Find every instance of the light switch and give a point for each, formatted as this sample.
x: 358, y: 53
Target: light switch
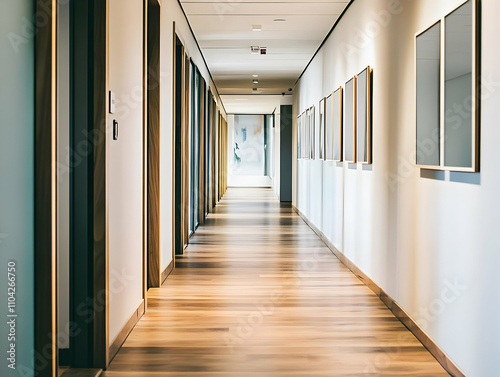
x: 112, y: 102
x: 115, y: 130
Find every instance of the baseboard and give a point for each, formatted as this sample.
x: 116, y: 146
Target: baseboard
x: 76, y: 372
x: 393, y: 306
x: 127, y: 329
x: 167, y: 271
x: 248, y: 187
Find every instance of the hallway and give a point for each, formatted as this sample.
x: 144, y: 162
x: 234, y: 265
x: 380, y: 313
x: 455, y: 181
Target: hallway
x: 257, y: 293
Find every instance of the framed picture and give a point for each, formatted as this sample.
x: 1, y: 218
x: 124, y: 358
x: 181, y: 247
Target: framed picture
x: 299, y: 137
x: 428, y: 83
x: 363, y: 117
x: 312, y: 133
x: 337, y: 121
x: 321, y: 113
x: 350, y: 121
x: 329, y: 128
x: 448, y: 91
x: 307, y: 135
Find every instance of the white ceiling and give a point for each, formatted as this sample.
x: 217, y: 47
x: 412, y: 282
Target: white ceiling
x: 223, y: 29
x: 253, y: 104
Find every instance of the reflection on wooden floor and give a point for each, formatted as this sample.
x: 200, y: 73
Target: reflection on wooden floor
x: 258, y: 294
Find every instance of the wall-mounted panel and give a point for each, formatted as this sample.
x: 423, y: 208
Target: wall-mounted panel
x: 337, y: 123
x: 299, y: 137
x: 448, y: 91
x: 307, y: 132
x: 321, y: 113
x: 312, y: 133
x: 459, y: 86
x: 350, y: 121
x: 428, y: 83
x: 364, y: 125
x: 329, y: 128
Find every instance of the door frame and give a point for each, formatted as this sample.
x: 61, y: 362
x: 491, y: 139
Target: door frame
x: 45, y: 300
x: 152, y: 31
x: 181, y: 116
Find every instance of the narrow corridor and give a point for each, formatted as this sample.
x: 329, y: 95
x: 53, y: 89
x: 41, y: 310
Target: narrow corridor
x: 257, y: 293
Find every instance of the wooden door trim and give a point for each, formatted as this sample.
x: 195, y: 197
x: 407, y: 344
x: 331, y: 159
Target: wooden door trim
x: 174, y: 136
x: 45, y: 303
x: 152, y: 134
x: 185, y: 148
x: 202, y: 167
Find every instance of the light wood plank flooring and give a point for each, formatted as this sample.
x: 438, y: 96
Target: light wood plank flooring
x: 258, y: 294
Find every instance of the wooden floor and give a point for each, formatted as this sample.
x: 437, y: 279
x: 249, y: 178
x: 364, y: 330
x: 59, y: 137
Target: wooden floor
x: 258, y: 294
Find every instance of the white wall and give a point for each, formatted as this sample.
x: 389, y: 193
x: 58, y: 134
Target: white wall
x: 414, y: 236
x: 125, y: 163
x: 172, y: 12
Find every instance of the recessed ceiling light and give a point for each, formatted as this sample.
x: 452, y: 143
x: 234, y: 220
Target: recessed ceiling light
x: 257, y: 27
x: 279, y: 20
x: 255, y: 81
x: 255, y: 75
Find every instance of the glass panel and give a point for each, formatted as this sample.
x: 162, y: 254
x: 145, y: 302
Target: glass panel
x: 299, y: 137
x: 329, y: 142
x: 304, y: 135
x: 428, y: 97
x: 363, y: 125
x: 312, y: 133
x: 249, y: 151
x: 191, y: 149
x: 350, y: 121
x: 459, y: 96
x: 337, y: 124
x: 308, y: 134
x: 269, y: 145
x: 322, y: 129
x: 196, y: 149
